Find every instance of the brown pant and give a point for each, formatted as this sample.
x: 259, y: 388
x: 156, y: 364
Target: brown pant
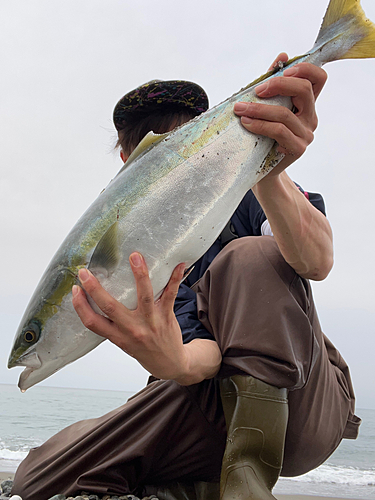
x: 263, y: 318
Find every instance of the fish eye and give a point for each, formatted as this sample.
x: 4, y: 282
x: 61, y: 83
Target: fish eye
x: 29, y: 336
x: 31, y: 332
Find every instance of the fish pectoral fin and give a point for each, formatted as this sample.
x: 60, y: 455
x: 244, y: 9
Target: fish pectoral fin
x: 149, y: 140
x: 106, y: 255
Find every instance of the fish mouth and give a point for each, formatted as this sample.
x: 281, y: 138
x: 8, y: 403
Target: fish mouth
x: 32, y: 362
x: 22, y: 382
x: 31, y: 376
x: 30, y: 359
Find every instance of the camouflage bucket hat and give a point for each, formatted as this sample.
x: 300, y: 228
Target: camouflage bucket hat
x: 150, y: 95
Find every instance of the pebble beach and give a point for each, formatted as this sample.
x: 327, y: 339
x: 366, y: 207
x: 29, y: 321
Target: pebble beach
x: 6, y: 482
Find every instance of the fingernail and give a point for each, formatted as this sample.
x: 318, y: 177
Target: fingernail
x: 290, y: 71
x: 240, y: 107
x: 83, y: 275
x: 75, y: 290
x: 136, y: 259
x: 261, y: 88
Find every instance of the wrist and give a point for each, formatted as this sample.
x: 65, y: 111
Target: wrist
x: 183, y: 376
x: 271, y: 187
x: 187, y: 368
x: 202, y: 361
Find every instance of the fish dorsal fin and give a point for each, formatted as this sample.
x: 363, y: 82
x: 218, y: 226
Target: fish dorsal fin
x: 361, y: 29
x: 271, y: 72
x: 150, y: 139
x: 260, y: 79
x: 106, y: 255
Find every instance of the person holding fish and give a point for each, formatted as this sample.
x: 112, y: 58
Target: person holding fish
x: 235, y: 349
x: 244, y: 385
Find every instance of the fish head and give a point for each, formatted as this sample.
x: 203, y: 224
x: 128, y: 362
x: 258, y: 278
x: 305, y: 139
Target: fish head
x: 23, y: 352
x: 51, y: 334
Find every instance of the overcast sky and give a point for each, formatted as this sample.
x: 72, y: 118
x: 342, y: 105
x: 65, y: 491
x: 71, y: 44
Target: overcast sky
x: 64, y: 65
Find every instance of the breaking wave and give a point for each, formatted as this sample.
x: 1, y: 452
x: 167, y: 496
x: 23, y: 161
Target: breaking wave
x: 332, y: 480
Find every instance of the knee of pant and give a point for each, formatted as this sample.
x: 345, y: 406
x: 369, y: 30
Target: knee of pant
x: 256, y: 254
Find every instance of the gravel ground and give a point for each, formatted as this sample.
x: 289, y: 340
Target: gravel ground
x: 6, y: 487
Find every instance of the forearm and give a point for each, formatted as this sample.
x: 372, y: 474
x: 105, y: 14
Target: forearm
x: 302, y: 232
x: 203, y: 361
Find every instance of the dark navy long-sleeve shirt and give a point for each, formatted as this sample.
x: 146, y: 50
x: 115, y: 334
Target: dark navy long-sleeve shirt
x: 247, y: 220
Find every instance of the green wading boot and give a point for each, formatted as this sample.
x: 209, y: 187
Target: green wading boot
x: 256, y: 415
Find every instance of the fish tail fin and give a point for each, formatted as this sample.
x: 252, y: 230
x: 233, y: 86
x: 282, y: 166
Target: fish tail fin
x: 345, y: 19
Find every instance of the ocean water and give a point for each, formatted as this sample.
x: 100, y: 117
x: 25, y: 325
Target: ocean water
x: 27, y: 420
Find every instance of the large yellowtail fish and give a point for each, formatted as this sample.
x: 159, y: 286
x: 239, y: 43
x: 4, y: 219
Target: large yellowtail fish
x: 170, y: 203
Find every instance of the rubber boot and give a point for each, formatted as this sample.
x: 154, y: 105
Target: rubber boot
x: 256, y: 416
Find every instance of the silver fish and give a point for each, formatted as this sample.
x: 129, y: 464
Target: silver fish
x: 170, y: 202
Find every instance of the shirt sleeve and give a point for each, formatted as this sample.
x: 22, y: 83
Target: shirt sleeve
x: 185, y: 309
x: 249, y: 216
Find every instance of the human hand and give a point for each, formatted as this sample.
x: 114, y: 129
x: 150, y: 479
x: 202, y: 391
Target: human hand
x: 150, y: 333
x: 292, y: 131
